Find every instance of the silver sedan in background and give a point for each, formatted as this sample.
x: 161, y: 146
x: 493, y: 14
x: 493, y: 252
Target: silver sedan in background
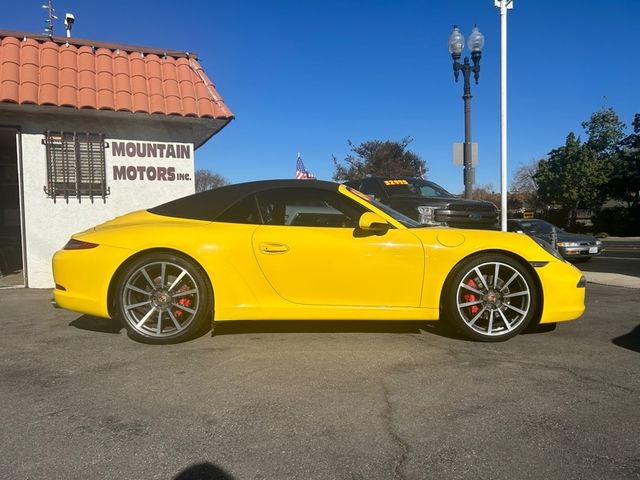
x: 572, y: 246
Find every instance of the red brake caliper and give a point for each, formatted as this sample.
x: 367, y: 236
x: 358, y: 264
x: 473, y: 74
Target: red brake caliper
x: 184, y: 301
x: 470, y: 297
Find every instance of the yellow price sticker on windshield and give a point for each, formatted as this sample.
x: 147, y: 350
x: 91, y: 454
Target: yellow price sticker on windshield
x: 396, y: 182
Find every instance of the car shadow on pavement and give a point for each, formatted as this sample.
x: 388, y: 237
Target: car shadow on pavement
x: 317, y: 326
x: 439, y: 328
x: 96, y: 324
x: 238, y: 327
x: 630, y: 341
x: 203, y: 471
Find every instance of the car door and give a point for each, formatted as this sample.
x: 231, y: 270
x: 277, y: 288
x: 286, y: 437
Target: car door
x: 311, y: 252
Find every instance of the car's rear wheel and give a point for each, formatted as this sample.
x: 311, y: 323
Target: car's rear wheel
x: 490, y: 298
x: 163, y: 298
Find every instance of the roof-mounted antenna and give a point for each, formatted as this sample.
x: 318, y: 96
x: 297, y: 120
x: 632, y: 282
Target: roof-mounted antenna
x: 50, y: 18
x: 68, y: 23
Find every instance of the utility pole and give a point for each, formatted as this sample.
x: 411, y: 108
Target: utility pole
x: 503, y: 5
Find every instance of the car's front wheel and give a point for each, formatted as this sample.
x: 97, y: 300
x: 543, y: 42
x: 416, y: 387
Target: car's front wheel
x: 163, y: 298
x: 490, y: 298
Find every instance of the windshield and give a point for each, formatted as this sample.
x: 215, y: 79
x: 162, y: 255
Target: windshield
x: 414, y: 187
x: 403, y: 219
x: 537, y: 226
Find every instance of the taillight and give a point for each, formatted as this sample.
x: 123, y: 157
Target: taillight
x: 74, y: 244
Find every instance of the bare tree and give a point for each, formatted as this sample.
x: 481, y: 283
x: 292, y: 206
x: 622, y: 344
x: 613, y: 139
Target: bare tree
x: 486, y: 193
x: 524, y: 188
x: 207, y: 180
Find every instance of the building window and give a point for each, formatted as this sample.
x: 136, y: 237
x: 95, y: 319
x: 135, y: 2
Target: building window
x: 75, y: 165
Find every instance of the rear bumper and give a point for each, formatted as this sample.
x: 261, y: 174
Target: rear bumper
x: 82, y: 278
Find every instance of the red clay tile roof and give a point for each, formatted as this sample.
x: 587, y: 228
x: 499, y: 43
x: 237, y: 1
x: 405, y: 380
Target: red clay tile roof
x: 38, y: 70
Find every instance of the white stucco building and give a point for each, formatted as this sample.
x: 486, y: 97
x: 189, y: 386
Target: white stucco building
x: 89, y: 131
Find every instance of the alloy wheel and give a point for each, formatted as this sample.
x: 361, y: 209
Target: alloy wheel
x: 493, y: 299
x: 160, y: 299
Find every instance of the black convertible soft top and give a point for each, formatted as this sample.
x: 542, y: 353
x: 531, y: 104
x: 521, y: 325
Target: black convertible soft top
x: 210, y: 204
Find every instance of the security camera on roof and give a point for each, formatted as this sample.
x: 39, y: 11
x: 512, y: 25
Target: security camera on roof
x: 68, y: 20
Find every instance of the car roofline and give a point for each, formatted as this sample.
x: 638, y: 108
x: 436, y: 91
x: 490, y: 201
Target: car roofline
x: 210, y: 204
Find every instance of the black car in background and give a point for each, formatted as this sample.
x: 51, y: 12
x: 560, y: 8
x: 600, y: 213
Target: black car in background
x: 572, y: 246
x: 427, y: 202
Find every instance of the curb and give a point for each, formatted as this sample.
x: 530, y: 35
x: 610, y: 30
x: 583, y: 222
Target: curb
x: 612, y: 279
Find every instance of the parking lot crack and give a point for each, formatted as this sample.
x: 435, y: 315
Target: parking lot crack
x: 586, y: 378
x: 387, y: 415
x: 571, y: 371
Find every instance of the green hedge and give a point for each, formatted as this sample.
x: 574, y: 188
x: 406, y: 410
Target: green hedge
x: 617, y: 221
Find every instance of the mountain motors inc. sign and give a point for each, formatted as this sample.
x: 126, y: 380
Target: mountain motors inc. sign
x: 153, y: 161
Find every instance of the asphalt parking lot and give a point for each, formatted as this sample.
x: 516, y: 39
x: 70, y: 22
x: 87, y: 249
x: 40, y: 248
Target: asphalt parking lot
x: 298, y: 400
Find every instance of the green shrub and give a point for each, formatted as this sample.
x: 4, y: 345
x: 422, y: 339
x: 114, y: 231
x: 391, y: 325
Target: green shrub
x: 617, y: 221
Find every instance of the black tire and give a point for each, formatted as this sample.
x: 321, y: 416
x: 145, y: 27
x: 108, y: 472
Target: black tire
x: 490, y: 298
x: 541, y: 327
x: 163, y: 298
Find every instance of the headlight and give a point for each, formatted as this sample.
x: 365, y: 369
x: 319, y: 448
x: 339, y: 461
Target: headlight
x: 598, y: 243
x: 568, y: 244
x: 427, y: 215
x: 547, y: 247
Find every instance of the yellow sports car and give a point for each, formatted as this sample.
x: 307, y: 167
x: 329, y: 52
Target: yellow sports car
x: 292, y: 250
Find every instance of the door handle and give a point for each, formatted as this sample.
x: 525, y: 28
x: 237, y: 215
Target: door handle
x: 273, y: 248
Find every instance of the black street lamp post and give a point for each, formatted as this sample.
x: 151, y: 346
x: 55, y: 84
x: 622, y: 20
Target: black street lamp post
x: 456, y: 44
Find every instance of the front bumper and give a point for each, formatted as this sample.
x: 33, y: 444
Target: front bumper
x: 563, y: 298
x: 582, y: 251
x: 482, y: 219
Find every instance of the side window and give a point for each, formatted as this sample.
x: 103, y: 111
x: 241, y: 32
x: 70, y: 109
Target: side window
x: 244, y: 211
x: 428, y: 191
x: 306, y: 207
x: 371, y: 187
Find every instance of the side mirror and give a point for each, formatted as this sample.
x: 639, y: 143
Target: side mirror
x: 372, y: 222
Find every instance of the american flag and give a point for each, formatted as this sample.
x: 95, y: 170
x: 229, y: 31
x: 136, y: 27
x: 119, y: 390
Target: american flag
x: 301, y: 172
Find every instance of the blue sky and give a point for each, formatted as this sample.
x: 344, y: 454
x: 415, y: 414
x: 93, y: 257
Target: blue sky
x: 306, y: 76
